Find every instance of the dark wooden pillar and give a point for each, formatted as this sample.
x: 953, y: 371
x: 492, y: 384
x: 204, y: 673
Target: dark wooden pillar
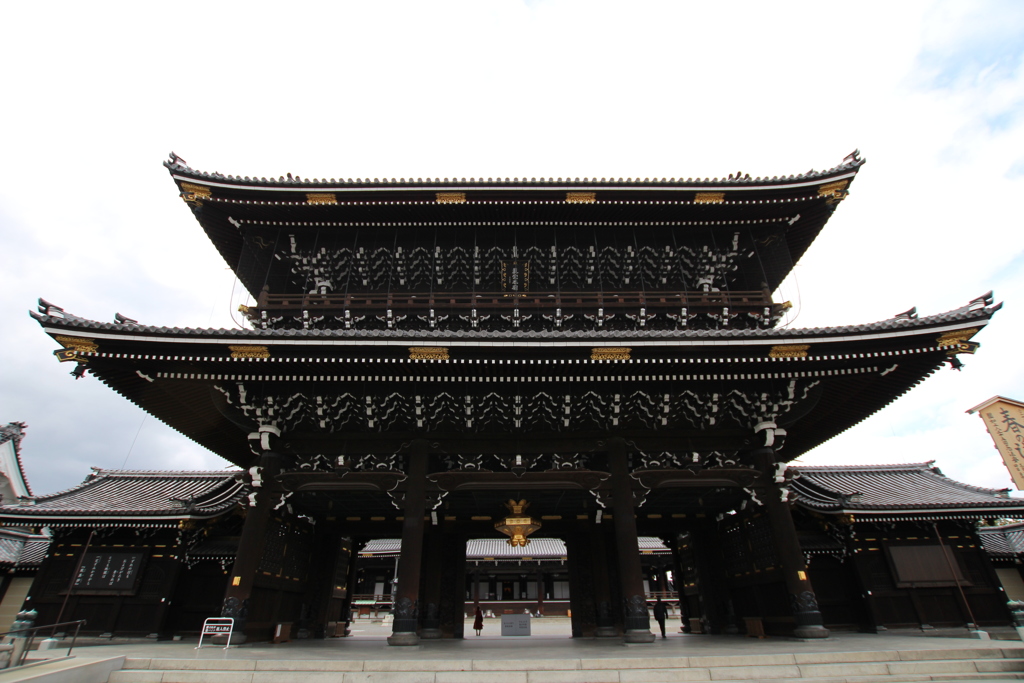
x: 679, y: 582
x: 430, y: 585
x: 452, y: 605
x: 406, y: 597
x: 602, y: 583
x: 809, y: 623
x: 251, y: 544
x: 540, y: 589
x: 637, y: 621
x: 581, y: 585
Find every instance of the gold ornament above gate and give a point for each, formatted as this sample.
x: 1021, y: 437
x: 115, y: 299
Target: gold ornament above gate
x: 517, y: 526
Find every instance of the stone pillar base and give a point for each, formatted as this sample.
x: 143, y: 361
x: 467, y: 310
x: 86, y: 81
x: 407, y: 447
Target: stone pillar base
x: 430, y: 633
x: 638, y: 637
x: 610, y: 632
x: 403, y: 639
x: 810, y: 632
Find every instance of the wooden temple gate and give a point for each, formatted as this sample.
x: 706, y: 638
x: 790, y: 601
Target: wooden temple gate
x: 421, y: 353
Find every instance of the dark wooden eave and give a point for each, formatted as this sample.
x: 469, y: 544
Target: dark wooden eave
x: 170, y: 373
x: 230, y: 208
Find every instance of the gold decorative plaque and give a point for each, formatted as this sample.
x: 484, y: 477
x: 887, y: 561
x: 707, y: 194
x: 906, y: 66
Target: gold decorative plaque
x: 836, y: 192
x: 958, y: 339
x: 80, y: 344
x: 833, y: 189
x: 789, y: 351
x: 1004, y: 419
x: 610, y: 353
x: 321, y: 198
x: 709, y: 198
x: 450, y: 197
x: 191, y: 192
x: 580, y: 197
x: 249, y: 351
x: 428, y: 353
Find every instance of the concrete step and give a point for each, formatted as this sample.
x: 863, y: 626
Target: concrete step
x: 990, y: 664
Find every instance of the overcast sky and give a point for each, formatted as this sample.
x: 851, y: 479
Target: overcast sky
x: 96, y: 94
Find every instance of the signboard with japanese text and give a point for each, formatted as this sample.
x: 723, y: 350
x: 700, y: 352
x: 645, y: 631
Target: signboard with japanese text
x: 1004, y: 419
x: 108, y: 572
x: 515, y: 277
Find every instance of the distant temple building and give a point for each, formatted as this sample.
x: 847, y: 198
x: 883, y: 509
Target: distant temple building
x: 592, y: 361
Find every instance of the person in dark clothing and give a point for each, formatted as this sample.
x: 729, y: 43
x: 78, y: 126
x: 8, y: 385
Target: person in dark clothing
x: 478, y: 621
x: 660, y: 613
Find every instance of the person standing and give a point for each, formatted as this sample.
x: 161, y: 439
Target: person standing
x: 478, y: 621
x: 660, y: 613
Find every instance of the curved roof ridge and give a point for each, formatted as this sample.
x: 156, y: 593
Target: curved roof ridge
x: 883, y: 466
x: 15, y: 432
x: 167, y: 473
x: 176, y: 164
x: 956, y: 315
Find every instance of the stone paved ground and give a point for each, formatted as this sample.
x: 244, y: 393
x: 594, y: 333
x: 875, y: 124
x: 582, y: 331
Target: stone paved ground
x: 551, y: 640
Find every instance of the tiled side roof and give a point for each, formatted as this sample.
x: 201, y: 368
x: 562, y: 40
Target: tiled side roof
x: 15, y: 432
x: 499, y: 549
x: 1003, y: 541
x: 964, y: 314
x: 176, y: 165
x: 18, y: 549
x: 117, y: 493
x: 889, y: 488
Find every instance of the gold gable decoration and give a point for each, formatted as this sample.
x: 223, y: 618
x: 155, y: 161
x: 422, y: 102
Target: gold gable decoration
x: 321, y: 198
x: 836, y: 192
x: 428, y: 353
x: 192, y: 193
x: 73, y: 346
x: 709, y: 198
x: 450, y: 197
x: 610, y: 353
x: 958, y: 341
x: 580, y: 197
x: 249, y: 351
x: 789, y: 351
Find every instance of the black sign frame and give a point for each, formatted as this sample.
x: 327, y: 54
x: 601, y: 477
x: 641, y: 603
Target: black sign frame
x: 105, y: 572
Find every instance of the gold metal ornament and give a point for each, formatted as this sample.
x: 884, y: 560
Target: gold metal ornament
x: 517, y: 526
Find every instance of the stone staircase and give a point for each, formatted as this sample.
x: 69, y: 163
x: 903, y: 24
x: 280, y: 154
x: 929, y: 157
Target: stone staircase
x: 954, y: 664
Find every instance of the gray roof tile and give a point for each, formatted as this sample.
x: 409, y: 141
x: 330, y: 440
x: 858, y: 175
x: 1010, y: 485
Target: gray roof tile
x: 890, y: 488
x: 119, y: 492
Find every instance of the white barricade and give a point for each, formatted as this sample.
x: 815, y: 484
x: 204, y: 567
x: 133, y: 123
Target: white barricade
x: 217, y: 626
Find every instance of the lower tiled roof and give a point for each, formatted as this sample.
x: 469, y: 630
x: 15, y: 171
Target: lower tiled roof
x: 1006, y: 541
x: 881, y: 489
x: 114, y: 494
x: 18, y: 549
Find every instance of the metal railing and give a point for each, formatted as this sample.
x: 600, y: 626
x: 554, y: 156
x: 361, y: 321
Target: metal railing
x: 19, y: 654
x: 504, y: 300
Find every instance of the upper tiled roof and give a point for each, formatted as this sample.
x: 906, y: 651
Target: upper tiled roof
x: 968, y: 313
x: 882, y: 489
x: 177, y: 165
x: 117, y: 494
